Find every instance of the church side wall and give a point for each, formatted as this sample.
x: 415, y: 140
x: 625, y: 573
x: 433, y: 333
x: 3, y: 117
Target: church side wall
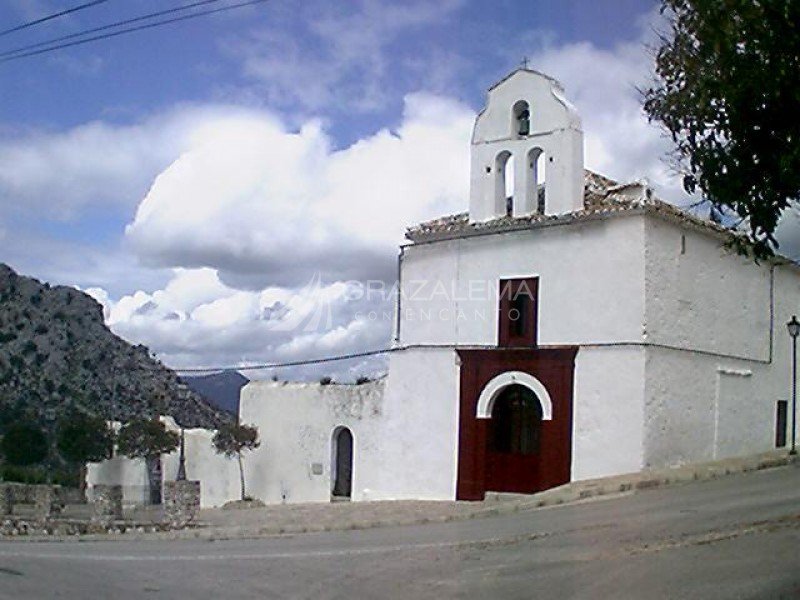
x: 715, y: 377
x: 297, y: 422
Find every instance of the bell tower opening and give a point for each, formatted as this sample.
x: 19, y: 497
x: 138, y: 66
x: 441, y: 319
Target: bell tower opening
x: 504, y: 181
x: 552, y: 142
x: 521, y: 118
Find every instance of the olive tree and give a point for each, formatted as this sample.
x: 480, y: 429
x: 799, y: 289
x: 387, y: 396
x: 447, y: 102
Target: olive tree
x: 83, y: 439
x: 231, y: 439
x: 147, y: 439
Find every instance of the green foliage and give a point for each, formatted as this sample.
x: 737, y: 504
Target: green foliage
x: 362, y: 380
x: 728, y: 93
x: 33, y: 474
x: 83, y: 438
x: 37, y: 474
x: 29, y: 347
x: 146, y: 438
x: 232, y: 439
x: 24, y: 444
x: 326, y: 380
x: 7, y: 337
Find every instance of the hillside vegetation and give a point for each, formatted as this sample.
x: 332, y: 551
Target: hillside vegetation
x: 58, y: 356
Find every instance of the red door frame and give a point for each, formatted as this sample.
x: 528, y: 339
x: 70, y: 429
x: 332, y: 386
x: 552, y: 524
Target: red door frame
x: 554, y: 368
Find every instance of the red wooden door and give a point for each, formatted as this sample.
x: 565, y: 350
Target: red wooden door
x: 513, y: 443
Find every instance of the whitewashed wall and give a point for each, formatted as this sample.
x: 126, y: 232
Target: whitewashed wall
x: 591, y: 284
x: 297, y: 421
x: 218, y: 476
x: 608, y: 432
x: 130, y: 474
x: 418, y: 454
x: 712, y: 392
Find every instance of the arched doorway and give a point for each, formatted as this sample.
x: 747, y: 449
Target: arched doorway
x: 513, y: 441
x: 541, y: 455
x: 342, y: 467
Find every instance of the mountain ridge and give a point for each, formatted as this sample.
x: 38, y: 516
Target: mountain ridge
x: 58, y: 355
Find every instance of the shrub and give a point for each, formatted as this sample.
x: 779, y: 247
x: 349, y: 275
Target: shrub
x: 24, y: 444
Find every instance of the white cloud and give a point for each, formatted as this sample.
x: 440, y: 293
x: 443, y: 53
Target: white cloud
x: 222, y: 326
x: 254, y: 200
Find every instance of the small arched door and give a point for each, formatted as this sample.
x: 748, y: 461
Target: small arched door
x: 513, y: 444
x: 342, y: 463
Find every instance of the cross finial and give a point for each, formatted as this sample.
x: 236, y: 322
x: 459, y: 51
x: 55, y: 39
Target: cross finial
x: 524, y: 62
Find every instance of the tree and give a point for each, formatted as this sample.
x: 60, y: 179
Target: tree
x: 24, y: 444
x: 148, y: 439
x: 728, y: 93
x: 82, y: 439
x: 232, y: 439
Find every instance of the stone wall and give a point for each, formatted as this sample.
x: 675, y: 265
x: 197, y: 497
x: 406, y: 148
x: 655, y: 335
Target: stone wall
x: 47, y: 501
x: 181, y: 502
x: 107, y: 504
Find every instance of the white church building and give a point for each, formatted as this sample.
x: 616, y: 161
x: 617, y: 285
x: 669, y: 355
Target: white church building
x: 567, y: 327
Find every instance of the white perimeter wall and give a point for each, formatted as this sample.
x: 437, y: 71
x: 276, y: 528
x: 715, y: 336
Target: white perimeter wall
x: 296, y: 422
x: 405, y: 433
x: 218, y: 476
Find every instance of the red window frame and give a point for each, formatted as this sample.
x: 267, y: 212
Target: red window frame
x: 518, y: 312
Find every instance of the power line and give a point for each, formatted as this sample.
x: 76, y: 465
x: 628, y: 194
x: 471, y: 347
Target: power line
x: 107, y: 27
x: 51, y: 17
x: 132, y: 29
x: 295, y: 363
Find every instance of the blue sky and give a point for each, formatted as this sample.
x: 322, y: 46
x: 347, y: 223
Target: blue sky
x: 177, y: 173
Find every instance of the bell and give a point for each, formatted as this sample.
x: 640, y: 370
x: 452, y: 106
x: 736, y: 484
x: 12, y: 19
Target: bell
x: 524, y: 122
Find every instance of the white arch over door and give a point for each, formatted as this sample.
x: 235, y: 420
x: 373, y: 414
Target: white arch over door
x: 492, y: 390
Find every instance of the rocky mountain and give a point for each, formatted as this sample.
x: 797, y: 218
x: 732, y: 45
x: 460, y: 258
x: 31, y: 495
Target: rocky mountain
x: 56, y: 353
x: 219, y: 389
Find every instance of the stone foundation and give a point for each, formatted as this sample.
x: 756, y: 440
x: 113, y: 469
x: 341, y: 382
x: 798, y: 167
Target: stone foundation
x: 181, y: 502
x: 107, y: 504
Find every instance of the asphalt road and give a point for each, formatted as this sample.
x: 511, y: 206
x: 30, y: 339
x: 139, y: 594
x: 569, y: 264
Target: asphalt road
x: 737, y: 537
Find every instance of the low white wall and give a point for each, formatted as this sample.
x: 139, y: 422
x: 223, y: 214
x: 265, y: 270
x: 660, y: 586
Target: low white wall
x: 130, y: 474
x: 218, y: 476
x: 297, y: 421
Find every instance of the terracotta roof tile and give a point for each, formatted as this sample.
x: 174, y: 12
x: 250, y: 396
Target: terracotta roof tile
x: 602, y: 196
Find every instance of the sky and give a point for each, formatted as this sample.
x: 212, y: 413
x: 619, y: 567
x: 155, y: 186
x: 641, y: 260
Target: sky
x: 219, y: 184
